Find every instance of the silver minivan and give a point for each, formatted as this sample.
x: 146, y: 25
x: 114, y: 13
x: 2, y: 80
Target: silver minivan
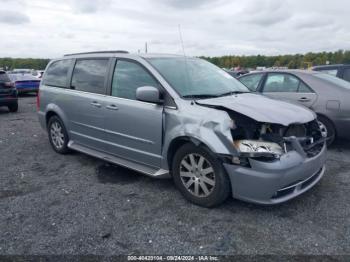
x: 174, y: 116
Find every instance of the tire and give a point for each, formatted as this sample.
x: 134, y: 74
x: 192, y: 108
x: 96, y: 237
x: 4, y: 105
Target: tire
x: 13, y: 107
x: 327, y: 126
x: 58, y: 135
x: 216, y: 187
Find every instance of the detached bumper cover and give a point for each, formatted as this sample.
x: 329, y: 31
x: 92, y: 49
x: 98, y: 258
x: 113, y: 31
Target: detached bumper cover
x: 278, y: 181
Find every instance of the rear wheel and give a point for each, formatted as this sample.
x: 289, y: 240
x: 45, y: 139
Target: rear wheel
x: 200, y: 176
x: 58, y: 135
x: 327, y: 129
x: 13, y: 107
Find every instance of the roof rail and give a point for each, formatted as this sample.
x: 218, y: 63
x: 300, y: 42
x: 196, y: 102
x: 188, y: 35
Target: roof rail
x: 99, y: 52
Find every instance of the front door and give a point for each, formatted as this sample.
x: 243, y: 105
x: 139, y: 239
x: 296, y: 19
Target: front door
x: 285, y: 86
x: 133, y: 128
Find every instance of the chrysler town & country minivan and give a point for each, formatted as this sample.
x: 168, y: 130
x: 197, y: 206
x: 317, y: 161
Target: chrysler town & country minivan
x: 181, y: 117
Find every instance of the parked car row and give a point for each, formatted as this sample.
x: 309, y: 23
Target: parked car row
x: 12, y: 84
x: 172, y: 116
x: 25, y: 83
x: 33, y: 72
x: 325, y: 94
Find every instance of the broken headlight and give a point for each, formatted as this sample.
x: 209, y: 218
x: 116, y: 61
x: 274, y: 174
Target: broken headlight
x: 255, y: 148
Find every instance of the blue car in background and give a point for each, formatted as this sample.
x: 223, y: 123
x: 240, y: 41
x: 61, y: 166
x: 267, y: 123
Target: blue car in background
x: 25, y: 83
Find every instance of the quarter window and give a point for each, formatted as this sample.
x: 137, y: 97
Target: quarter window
x: 128, y: 76
x: 251, y: 81
x: 57, y: 73
x: 89, y: 75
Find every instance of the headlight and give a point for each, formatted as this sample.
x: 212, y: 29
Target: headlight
x: 256, y: 148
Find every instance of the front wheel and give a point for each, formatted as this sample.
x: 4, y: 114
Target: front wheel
x: 200, y: 176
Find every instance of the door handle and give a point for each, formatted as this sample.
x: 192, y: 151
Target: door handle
x: 112, y: 107
x: 95, y: 104
x: 304, y: 99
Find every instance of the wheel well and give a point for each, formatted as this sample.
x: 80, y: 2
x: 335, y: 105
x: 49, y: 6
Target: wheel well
x: 177, y: 143
x: 49, y: 115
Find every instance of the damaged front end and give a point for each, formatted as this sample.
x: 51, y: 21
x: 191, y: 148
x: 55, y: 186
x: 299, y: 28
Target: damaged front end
x: 268, y: 142
x: 275, y: 163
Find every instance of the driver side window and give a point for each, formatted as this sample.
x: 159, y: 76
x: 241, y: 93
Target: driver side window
x: 127, y: 77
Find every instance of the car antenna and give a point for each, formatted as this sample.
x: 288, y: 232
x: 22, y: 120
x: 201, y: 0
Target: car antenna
x: 184, y: 53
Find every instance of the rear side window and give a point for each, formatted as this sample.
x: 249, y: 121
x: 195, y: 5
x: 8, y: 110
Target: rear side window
x: 89, y: 75
x: 251, y: 81
x: 281, y: 83
x: 4, y: 77
x: 129, y: 76
x: 346, y: 74
x: 57, y: 73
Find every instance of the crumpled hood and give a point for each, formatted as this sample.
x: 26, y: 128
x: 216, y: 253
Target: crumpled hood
x: 263, y: 109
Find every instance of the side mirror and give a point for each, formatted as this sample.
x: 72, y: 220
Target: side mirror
x: 148, y: 94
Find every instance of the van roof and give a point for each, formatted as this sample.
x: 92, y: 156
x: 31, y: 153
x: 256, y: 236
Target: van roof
x: 119, y: 53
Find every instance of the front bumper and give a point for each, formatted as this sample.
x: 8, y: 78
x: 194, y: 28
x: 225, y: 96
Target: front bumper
x: 278, y: 181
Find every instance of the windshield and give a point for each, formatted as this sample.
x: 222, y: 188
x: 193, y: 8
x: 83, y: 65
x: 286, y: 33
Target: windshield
x: 334, y: 80
x: 192, y: 77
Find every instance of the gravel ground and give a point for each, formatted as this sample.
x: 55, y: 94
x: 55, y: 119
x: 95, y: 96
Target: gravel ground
x: 75, y: 204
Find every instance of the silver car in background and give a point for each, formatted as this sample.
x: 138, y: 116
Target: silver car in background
x: 325, y: 94
x: 180, y: 117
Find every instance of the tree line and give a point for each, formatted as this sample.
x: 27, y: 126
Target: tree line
x: 229, y: 61
x: 291, y: 61
x: 30, y: 63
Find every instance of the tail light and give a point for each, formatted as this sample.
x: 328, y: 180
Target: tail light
x: 38, y: 100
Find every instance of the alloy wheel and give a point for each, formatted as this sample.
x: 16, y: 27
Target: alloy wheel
x: 57, y: 135
x: 197, y: 175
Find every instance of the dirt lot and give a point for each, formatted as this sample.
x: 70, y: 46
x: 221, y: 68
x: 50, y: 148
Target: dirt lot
x: 75, y: 204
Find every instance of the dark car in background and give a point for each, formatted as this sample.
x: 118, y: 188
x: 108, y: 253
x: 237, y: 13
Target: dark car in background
x: 236, y: 73
x: 8, y: 93
x: 325, y: 94
x: 25, y: 83
x: 341, y: 71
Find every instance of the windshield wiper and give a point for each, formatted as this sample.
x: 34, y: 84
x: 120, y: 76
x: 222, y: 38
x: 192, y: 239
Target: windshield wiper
x: 232, y: 93
x: 200, y: 96
x: 204, y: 96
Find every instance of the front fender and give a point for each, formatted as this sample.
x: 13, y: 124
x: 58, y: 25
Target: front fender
x: 213, y: 130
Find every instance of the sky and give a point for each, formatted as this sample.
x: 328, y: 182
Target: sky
x: 48, y: 28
